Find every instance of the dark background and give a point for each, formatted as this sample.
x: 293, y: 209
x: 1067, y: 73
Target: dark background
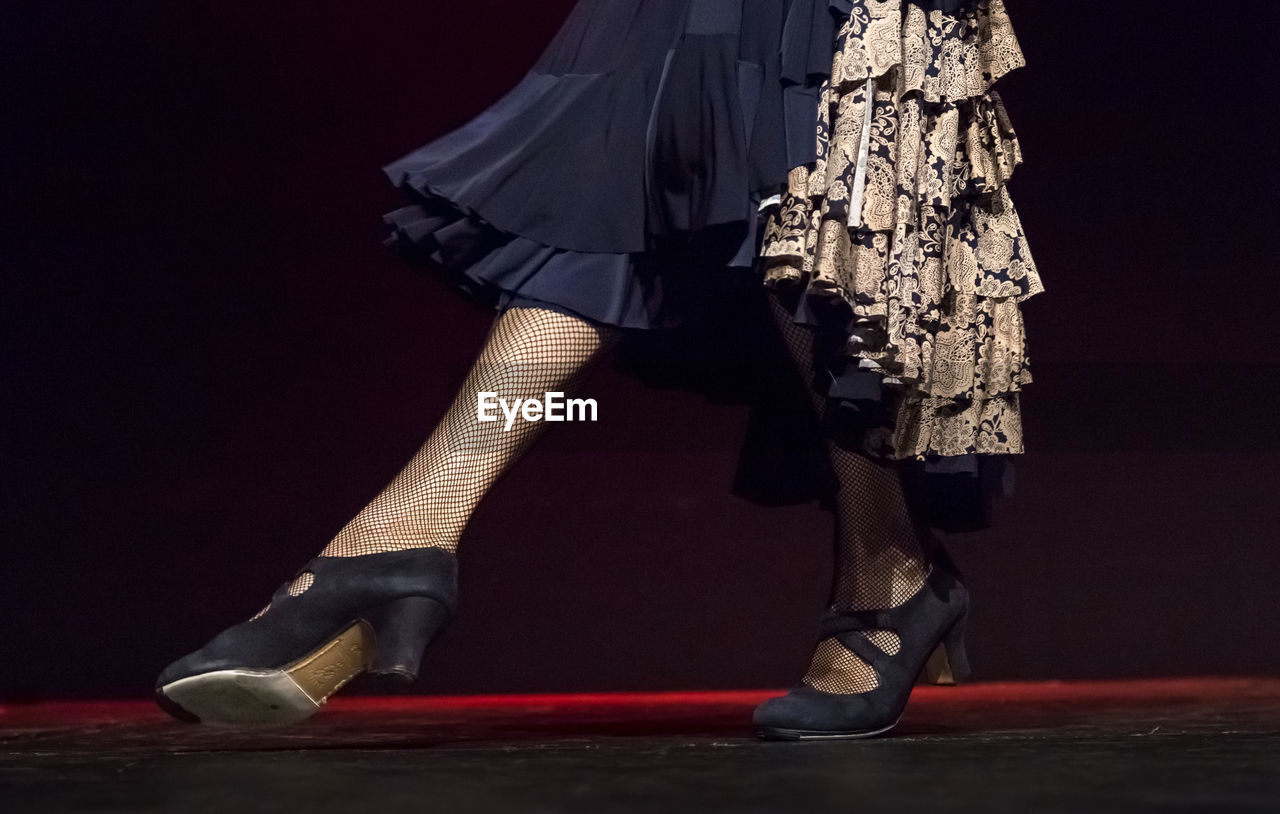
x: 211, y: 363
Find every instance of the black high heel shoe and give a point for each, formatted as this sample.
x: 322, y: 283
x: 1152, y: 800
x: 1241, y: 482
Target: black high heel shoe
x: 930, y: 626
x: 374, y: 613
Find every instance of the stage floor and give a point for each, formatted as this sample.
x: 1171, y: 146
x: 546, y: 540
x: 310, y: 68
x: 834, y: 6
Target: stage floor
x: 1185, y: 744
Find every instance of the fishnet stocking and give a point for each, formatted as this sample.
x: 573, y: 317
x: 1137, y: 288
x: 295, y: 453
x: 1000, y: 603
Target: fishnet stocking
x: 527, y: 353
x: 881, y: 550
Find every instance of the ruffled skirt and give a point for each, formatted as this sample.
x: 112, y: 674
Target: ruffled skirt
x: 901, y: 248
x: 628, y: 164
x: 660, y: 151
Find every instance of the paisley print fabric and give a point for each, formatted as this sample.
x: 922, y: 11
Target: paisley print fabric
x: 902, y: 235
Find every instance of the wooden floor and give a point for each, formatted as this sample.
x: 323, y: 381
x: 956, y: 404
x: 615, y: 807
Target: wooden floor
x: 1187, y: 744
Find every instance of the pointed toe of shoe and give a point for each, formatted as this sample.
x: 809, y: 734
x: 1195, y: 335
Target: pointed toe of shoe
x: 798, y: 710
x: 173, y: 708
x: 182, y: 668
x: 808, y: 713
x: 193, y: 664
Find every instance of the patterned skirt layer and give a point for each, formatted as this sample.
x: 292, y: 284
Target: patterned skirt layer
x: 901, y: 247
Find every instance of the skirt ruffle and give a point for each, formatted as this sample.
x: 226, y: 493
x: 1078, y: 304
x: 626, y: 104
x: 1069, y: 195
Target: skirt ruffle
x: 501, y: 269
x: 641, y: 126
x: 643, y: 137
x: 901, y: 248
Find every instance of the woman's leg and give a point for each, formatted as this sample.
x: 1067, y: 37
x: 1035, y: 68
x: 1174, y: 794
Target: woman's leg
x: 528, y: 352
x: 379, y: 613
x: 882, y: 552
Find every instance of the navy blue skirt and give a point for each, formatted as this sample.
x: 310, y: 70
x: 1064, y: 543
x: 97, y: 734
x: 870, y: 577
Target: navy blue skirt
x: 620, y: 181
x: 646, y: 132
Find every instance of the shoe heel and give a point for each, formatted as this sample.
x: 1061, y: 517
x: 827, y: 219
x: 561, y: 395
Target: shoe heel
x: 949, y: 663
x: 403, y: 629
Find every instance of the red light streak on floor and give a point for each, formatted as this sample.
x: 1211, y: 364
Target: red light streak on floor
x: 711, y: 705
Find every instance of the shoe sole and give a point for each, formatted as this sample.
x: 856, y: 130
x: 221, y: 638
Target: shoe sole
x: 775, y: 733
x: 282, y: 696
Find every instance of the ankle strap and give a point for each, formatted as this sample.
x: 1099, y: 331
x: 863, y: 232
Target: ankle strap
x: 863, y: 648
x: 850, y: 621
